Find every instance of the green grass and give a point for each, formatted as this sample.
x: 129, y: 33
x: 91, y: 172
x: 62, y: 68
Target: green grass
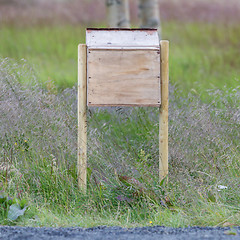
x: 52, y: 51
x: 202, y: 56
x: 39, y: 134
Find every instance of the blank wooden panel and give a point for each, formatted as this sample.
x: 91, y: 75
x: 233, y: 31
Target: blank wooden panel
x: 123, y: 77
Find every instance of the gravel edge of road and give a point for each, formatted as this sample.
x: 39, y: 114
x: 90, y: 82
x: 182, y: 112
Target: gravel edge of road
x: 104, y: 232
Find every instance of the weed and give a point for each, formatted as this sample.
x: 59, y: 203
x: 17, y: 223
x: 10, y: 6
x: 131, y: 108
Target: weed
x: 11, y: 208
x: 38, y: 142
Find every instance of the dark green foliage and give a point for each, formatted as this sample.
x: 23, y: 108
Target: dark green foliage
x: 11, y: 208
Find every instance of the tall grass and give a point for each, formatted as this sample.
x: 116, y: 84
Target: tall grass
x: 38, y: 123
x: 51, y: 51
x: 38, y: 156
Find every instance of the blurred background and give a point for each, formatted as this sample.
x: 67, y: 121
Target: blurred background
x: 40, y: 12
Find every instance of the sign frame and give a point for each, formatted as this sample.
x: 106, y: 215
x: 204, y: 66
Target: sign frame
x: 83, y: 69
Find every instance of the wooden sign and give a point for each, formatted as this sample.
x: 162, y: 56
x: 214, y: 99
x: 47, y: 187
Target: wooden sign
x: 122, y: 67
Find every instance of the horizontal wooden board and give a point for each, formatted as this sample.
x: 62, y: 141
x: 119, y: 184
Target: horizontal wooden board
x: 124, y: 38
x: 123, y: 78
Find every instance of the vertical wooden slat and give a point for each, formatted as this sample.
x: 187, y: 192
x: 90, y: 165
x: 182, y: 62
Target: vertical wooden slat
x: 82, y: 117
x: 163, y: 118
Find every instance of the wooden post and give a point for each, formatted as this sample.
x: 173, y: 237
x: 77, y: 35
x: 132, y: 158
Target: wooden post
x: 163, y: 118
x: 82, y: 117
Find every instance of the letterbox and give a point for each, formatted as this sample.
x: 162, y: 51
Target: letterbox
x: 123, y: 67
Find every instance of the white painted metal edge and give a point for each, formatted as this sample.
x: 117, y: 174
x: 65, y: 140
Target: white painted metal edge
x: 122, y: 38
x: 125, y: 48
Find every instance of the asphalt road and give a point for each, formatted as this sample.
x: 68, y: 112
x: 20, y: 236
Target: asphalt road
x: 102, y: 232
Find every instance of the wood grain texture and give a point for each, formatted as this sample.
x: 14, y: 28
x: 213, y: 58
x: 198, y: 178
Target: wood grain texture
x: 82, y: 117
x: 123, y: 78
x: 163, y: 118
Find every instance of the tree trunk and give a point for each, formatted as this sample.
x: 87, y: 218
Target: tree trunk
x: 118, y: 13
x: 149, y: 14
